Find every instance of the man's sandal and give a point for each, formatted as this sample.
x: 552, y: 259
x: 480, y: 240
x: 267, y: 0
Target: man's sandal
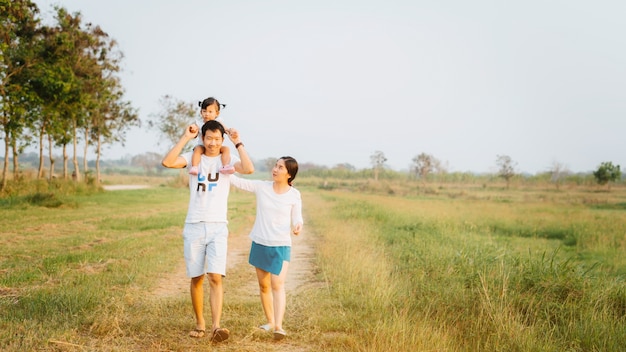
x: 220, y: 334
x: 197, y: 333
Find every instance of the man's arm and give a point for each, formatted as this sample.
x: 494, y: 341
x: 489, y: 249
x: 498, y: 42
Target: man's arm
x: 173, y: 159
x: 245, y: 165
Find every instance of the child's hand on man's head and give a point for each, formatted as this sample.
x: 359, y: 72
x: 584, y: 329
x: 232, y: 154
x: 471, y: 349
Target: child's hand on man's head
x: 191, y: 131
x: 233, y: 134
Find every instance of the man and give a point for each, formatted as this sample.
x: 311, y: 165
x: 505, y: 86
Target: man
x: 205, y: 233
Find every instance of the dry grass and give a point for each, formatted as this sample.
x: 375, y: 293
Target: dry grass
x: 447, y: 269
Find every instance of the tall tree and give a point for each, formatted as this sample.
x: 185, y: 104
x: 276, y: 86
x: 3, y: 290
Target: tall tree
x: 377, y: 160
x: 109, y: 116
x: 58, y: 85
x: 558, y: 171
x: 174, y: 116
x: 607, y: 173
x: 506, y: 168
x: 425, y: 164
x: 112, y: 119
x: 18, y: 33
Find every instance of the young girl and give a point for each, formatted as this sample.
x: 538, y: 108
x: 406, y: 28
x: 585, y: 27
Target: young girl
x: 209, y: 110
x: 278, y: 215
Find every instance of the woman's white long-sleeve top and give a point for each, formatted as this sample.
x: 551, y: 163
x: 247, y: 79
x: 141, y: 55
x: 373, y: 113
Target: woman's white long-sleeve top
x: 275, y: 213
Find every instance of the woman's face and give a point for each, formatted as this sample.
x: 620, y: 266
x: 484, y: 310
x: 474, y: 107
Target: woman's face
x: 279, y: 172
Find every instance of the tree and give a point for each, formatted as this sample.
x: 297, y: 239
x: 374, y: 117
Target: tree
x: 56, y: 81
x: 558, y: 171
x: 344, y: 167
x: 268, y: 164
x: 425, y: 164
x: 506, y: 168
x: 377, y: 160
x: 108, y: 115
x: 174, y: 116
x: 606, y: 173
x: 150, y: 161
x: 18, y: 34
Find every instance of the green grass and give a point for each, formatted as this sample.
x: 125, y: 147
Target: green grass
x: 398, y: 267
x: 512, y: 277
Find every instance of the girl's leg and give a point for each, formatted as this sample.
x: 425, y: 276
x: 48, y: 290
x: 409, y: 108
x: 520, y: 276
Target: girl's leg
x: 195, y: 159
x: 226, y: 167
x: 265, y: 292
x: 278, y: 292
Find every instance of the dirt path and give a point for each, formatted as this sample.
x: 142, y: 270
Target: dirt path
x: 300, y: 270
x: 123, y: 187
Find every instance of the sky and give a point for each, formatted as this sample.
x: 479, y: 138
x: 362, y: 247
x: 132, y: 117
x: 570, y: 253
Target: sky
x: 334, y: 81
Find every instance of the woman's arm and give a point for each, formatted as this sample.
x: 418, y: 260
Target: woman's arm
x: 242, y: 183
x: 296, y: 216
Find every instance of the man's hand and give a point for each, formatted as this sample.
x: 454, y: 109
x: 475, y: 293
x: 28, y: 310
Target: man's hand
x: 194, y: 129
x: 233, y: 135
x: 297, y: 229
x: 173, y: 159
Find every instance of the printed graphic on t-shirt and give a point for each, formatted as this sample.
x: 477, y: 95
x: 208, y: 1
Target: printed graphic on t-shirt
x: 207, y: 182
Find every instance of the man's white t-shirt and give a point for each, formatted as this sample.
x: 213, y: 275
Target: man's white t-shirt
x: 208, y: 191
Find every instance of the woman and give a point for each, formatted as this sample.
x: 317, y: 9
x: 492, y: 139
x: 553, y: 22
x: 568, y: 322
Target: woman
x: 278, y: 215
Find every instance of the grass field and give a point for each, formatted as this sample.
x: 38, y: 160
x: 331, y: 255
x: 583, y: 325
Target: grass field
x: 396, y: 267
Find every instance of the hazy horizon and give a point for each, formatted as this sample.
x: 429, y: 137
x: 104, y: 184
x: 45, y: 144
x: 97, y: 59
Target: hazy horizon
x: 332, y: 82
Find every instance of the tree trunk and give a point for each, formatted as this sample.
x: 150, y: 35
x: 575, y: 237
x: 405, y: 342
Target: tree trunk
x: 98, y: 147
x: 85, y: 151
x: 5, y: 168
x: 16, y: 165
x: 40, y: 171
x: 65, y: 159
x: 51, y: 173
x: 76, y: 172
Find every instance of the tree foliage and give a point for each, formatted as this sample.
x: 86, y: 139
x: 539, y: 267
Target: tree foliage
x: 378, y: 161
x: 558, y: 172
x: 606, y: 173
x: 18, y: 40
x: 173, y: 117
x: 506, y: 168
x: 56, y: 81
x: 425, y: 164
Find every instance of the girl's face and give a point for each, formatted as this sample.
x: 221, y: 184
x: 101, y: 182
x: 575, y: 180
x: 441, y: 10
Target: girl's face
x: 279, y: 172
x: 209, y: 113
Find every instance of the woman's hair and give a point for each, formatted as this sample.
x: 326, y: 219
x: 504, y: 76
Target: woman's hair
x: 210, y: 101
x: 292, y: 167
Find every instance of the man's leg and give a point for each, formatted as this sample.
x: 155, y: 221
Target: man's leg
x: 216, y: 298
x: 197, y: 301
